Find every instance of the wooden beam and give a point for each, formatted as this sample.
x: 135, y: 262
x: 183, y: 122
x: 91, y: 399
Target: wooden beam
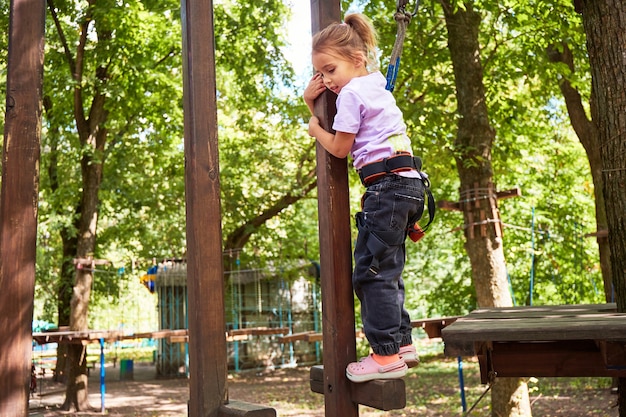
x: 294, y: 337
x: 433, y: 326
x: 18, y: 200
x: 335, y: 249
x: 207, y: 329
x: 547, y: 359
x: 600, y: 234
x: 382, y: 394
x: 258, y: 331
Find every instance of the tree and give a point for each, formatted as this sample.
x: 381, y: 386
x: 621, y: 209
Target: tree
x: 122, y: 107
x: 472, y: 148
x: 604, y: 21
x: 100, y: 105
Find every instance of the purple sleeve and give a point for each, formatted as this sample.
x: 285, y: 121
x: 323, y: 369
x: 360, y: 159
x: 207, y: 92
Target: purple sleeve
x: 349, y: 108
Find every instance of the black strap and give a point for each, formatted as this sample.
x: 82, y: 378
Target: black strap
x: 395, y: 163
x: 431, y: 204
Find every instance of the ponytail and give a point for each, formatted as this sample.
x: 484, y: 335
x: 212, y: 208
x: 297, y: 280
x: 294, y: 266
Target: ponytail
x: 350, y: 39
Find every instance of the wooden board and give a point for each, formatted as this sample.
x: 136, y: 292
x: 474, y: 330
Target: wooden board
x: 94, y: 336
x: 553, y: 341
x: 433, y: 326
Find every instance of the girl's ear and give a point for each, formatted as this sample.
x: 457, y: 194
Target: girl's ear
x: 360, y: 59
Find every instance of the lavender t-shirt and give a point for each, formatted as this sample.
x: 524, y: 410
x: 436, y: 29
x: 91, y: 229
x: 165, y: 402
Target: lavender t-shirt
x: 367, y: 109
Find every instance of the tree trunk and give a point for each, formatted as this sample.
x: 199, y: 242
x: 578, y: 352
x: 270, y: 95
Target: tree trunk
x: 91, y: 169
x: 605, y: 26
x: 93, y: 136
x: 588, y: 136
x: 483, y: 231
x: 68, y: 240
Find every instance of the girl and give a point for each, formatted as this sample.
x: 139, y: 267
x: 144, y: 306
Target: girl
x: 369, y: 126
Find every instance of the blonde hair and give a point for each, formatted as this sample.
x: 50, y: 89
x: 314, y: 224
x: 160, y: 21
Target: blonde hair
x: 349, y: 39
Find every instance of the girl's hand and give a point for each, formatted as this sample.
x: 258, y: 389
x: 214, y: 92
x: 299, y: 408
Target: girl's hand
x: 313, y: 90
x: 314, y: 126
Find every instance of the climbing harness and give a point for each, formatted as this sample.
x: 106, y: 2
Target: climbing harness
x: 402, y: 18
x: 378, y: 241
x: 401, y: 161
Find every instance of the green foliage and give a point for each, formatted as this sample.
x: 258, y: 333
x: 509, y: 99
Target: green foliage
x: 265, y: 153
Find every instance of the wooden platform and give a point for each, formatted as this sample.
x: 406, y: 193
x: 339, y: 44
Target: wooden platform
x: 94, y: 336
x: 546, y: 341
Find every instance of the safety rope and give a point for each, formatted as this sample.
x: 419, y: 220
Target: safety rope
x: 402, y: 18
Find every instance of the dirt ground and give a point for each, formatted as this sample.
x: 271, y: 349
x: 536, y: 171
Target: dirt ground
x: 285, y: 390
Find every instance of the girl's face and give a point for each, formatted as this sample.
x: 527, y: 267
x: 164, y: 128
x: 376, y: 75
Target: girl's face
x: 337, y: 71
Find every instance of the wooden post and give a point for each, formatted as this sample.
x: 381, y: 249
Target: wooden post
x: 335, y: 249
x: 208, y: 391
x: 207, y: 338
x: 18, y: 201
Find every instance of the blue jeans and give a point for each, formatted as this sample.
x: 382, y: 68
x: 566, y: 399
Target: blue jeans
x: 389, y: 206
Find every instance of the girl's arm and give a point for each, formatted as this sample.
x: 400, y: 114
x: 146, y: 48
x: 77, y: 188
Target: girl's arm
x: 338, y: 144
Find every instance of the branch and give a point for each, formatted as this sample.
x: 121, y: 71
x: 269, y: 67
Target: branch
x: 241, y: 235
x: 581, y: 124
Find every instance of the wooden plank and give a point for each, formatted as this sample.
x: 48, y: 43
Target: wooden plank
x: 18, y: 200
x: 314, y: 337
x: 243, y: 409
x: 294, y: 337
x: 258, y: 331
x: 433, y: 326
x: 542, y: 311
x: 539, y: 330
x: 382, y: 394
x: 335, y: 248
x: 94, y: 336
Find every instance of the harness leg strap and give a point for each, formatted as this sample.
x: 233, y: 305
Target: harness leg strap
x: 379, y: 241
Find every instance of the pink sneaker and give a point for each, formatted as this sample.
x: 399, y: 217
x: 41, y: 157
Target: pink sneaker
x: 368, y: 369
x: 409, y: 355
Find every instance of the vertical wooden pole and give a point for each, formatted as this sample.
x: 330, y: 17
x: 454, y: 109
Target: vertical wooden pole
x: 207, y: 337
x: 18, y: 201
x: 335, y: 249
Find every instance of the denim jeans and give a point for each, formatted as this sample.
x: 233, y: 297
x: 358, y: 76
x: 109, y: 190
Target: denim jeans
x: 389, y: 206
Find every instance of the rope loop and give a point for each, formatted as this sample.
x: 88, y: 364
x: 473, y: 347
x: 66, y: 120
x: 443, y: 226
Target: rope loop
x: 402, y: 18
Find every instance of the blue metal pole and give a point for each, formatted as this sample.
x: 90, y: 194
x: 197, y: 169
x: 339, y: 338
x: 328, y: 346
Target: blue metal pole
x: 462, y: 384
x: 532, y: 258
x: 102, y: 373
